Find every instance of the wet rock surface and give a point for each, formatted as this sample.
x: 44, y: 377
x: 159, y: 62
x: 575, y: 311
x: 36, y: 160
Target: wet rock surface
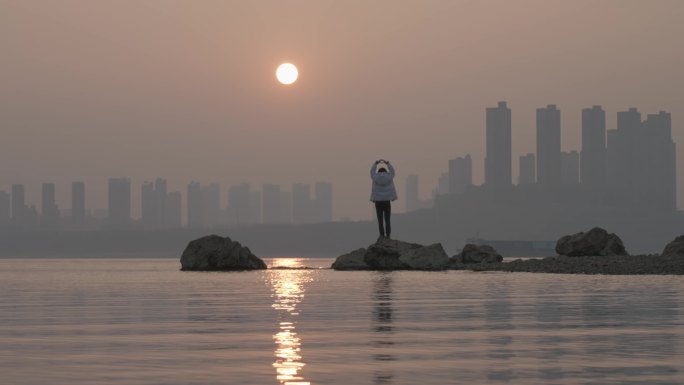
x: 391, y: 254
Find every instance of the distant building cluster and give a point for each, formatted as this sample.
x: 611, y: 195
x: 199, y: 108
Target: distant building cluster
x: 161, y: 209
x: 633, y: 164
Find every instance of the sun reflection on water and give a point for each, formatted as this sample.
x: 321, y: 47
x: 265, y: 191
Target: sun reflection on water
x: 288, y: 288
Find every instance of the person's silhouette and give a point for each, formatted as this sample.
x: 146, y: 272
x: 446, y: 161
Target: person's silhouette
x: 382, y: 194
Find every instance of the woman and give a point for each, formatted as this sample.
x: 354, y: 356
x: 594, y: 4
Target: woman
x: 382, y: 193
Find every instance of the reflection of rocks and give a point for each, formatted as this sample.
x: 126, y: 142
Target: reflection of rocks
x: 675, y: 248
x: 216, y: 253
x: 390, y: 254
x: 594, y: 242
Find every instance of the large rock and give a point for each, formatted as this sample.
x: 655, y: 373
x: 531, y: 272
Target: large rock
x: 431, y: 257
x: 675, y: 248
x: 216, y: 253
x: 391, y: 254
x: 351, y: 261
x: 384, y: 254
x: 595, y: 242
x: 477, y: 254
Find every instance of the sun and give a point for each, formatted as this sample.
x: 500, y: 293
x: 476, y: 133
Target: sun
x: 287, y: 73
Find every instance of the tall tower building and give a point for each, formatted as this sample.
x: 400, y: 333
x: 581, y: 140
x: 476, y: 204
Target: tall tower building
x: 593, y: 162
x: 19, y: 209
x: 412, y: 200
x: 5, y: 212
x: 527, y: 170
x: 286, y: 207
x: 460, y: 174
x: 548, y: 145
x: 78, y: 204
x: 659, y: 165
x: 119, y: 209
x: 498, y: 158
x: 49, y: 211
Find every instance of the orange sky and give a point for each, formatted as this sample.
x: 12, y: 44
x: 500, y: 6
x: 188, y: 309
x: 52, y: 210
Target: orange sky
x: 186, y: 90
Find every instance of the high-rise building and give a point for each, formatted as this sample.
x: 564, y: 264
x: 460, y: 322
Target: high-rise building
x: 593, y: 162
x: 498, y: 157
x: 324, y: 202
x: 271, y: 211
x: 612, y: 159
x: 460, y: 174
x: 548, y: 145
x: 19, y: 209
x: 412, y: 200
x: 5, y: 212
x: 301, y: 203
x: 659, y: 165
x: 629, y: 151
x: 172, y: 218
x: 48, y: 209
x: 570, y: 167
x: 527, y: 170
x: 119, y: 208
x: 78, y: 212
x: 153, y: 204
x: 194, y: 197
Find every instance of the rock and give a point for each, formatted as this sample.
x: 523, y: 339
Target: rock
x: 431, y: 257
x: 477, y: 254
x: 675, y: 248
x: 391, y: 254
x: 216, y: 253
x: 351, y: 261
x: 384, y: 254
x: 595, y: 242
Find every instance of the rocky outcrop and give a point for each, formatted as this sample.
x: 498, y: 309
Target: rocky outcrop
x: 477, y: 254
x: 216, y: 253
x: 351, y: 261
x: 391, y: 254
x: 675, y: 248
x: 595, y: 242
x: 432, y: 257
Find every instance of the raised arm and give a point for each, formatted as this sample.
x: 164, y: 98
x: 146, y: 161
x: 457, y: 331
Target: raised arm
x: 391, y: 169
x: 374, y: 169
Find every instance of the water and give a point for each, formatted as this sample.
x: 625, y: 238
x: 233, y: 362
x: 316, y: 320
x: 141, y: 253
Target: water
x: 145, y: 322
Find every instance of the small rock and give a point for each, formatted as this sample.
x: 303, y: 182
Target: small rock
x: 384, y: 254
x: 595, y: 242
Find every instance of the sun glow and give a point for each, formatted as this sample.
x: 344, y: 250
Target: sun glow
x: 287, y: 73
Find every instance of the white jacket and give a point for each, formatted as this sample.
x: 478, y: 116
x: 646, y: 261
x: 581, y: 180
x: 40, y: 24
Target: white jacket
x: 383, y: 185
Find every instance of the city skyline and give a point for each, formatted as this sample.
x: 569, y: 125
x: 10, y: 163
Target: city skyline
x: 635, y: 162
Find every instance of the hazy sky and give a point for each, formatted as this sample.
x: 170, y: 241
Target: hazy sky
x: 186, y: 90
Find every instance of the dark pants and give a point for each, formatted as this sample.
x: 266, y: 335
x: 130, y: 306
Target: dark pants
x: 384, y: 210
